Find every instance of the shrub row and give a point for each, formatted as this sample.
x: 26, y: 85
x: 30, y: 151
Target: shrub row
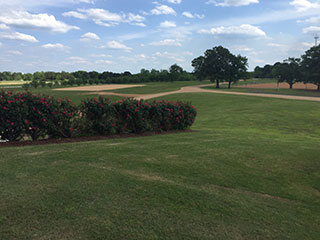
x: 24, y: 115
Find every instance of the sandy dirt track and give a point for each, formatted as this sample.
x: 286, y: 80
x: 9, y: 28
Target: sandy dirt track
x: 199, y: 89
x: 189, y: 89
x: 99, y: 87
x: 281, y: 85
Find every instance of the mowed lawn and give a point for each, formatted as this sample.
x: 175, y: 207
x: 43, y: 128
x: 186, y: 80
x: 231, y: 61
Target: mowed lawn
x: 250, y: 169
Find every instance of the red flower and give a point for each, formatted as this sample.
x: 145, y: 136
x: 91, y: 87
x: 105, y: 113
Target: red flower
x: 4, y: 108
x: 12, y: 123
x: 44, y: 120
x: 27, y: 121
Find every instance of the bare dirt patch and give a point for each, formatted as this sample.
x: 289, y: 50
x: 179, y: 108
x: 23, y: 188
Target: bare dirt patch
x: 105, y: 87
x: 281, y: 85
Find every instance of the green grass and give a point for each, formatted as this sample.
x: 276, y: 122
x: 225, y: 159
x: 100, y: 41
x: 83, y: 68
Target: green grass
x: 249, y: 170
x: 12, y: 83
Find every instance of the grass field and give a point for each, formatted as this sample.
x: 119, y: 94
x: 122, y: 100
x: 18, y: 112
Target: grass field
x: 12, y: 83
x: 249, y: 170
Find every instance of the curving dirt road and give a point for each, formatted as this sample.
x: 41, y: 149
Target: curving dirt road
x: 199, y: 89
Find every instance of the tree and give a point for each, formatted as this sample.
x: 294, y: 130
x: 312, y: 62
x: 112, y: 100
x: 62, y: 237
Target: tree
x: 311, y: 65
x: 175, y: 72
x: 219, y: 65
x: 288, y: 71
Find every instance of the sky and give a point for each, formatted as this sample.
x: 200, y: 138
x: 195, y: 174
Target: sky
x: 128, y: 35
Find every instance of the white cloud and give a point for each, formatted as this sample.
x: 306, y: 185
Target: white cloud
x: 190, y: 15
x: 15, y: 52
x: 304, y: 5
x: 57, y: 46
x: 117, y: 46
x: 74, y: 14
x: 315, y: 20
x: 311, y: 29
x: 187, y: 14
x: 167, y: 24
x: 167, y: 42
x: 89, y: 36
x: 106, y: 18
x: 100, y: 55
x: 244, y: 29
x: 231, y: 3
x: 4, y: 27
x: 168, y: 55
x: 18, y: 36
x: 1, y: 44
x: 104, y: 62
x: 242, y: 48
x: 163, y: 9
x: 24, y: 19
x: 174, y: 1
x: 74, y: 60
x: 307, y: 45
x: 276, y: 45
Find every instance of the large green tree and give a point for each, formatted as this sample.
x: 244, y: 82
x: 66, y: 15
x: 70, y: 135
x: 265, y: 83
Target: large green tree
x: 289, y: 71
x: 219, y: 65
x: 311, y: 65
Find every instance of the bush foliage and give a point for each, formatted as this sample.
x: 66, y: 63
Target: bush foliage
x: 25, y: 115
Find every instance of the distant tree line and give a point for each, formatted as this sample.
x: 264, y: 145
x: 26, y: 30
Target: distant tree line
x: 292, y: 70
x: 53, y: 79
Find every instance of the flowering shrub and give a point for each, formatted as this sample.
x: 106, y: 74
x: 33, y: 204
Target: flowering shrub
x: 33, y: 116
x: 12, y: 116
x: 98, y: 115
x: 133, y: 116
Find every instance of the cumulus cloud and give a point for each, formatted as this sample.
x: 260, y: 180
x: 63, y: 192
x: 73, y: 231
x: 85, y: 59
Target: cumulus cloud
x: 167, y: 42
x: 231, y: 3
x: 101, y: 55
x: 24, y: 19
x: 75, y: 60
x: 315, y: 20
x: 18, y: 36
x: 57, y: 46
x: 4, y: 27
x: 311, y: 29
x: 106, y: 18
x: 190, y: 15
x: 168, y: 24
x: 171, y: 56
x: 103, y: 62
x: 89, y: 36
x: 174, y: 1
x: 244, y: 29
x: 304, y: 5
x: 15, y: 52
x: 117, y: 46
x: 163, y: 10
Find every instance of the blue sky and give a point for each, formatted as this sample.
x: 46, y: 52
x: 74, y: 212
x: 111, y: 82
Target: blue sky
x: 123, y: 35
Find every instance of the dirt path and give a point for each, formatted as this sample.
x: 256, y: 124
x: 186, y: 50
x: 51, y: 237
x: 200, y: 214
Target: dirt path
x: 199, y: 89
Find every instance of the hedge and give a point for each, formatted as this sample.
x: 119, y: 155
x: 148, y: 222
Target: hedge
x: 29, y: 116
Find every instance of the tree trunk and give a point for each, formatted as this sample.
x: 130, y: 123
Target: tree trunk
x: 217, y: 85
x: 229, y: 85
x: 291, y: 84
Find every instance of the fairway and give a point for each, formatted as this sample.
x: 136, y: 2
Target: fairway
x: 248, y: 170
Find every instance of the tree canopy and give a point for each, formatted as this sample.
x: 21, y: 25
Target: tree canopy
x: 311, y: 65
x: 219, y: 65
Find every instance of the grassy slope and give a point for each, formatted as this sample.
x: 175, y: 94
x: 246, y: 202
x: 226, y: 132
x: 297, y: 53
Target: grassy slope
x: 250, y: 170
